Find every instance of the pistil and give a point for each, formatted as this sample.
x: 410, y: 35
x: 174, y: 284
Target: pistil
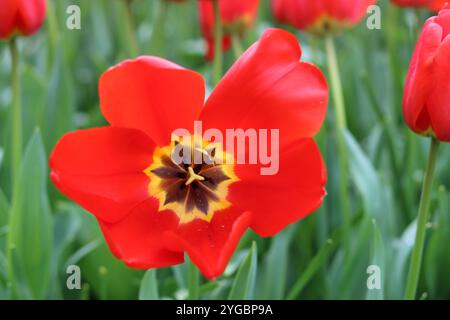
x: 193, y: 176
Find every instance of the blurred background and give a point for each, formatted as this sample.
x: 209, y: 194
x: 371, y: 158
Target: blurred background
x: 59, y: 71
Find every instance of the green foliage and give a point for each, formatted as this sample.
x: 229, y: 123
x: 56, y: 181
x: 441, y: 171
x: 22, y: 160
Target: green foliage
x: 149, y: 286
x: 244, y: 283
x: 29, y: 243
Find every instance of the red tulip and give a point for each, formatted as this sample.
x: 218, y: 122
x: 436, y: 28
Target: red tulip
x: 426, y: 100
x: 433, y: 5
x: 237, y: 17
x: 21, y: 16
x: 413, y: 3
x: 320, y: 16
x: 437, y: 5
x: 150, y: 210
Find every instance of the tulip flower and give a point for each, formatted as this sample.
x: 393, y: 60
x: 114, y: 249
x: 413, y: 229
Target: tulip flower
x: 433, y: 5
x: 23, y: 17
x: 426, y: 109
x: 413, y: 3
x: 437, y: 5
x: 426, y: 100
x: 321, y: 16
x: 237, y: 16
x: 150, y: 208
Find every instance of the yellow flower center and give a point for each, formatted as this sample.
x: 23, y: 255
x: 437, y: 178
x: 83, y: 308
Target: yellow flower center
x: 197, y: 186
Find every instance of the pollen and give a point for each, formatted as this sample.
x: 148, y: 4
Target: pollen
x: 196, y: 187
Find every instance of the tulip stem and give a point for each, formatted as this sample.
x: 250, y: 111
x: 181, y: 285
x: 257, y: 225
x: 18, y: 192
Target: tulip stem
x: 218, y: 34
x: 237, y: 46
x: 16, y: 111
x: 193, y: 281
x: 131, y: 35
x: 338, y: 98
x: 424, y: 206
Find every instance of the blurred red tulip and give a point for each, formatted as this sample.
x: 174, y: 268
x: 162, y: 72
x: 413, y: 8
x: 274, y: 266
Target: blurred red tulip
x: 413, y: 3
x: 437, y: 5
x: 433, y: 5
x: 426, y: 100
x: 21, y: 16
x: 237, y: 16
x: 320, y: 16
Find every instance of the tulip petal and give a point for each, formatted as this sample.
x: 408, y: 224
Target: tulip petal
x: 210, y: 245
x: 439, y: 100
x: 281, y: 199
x: 418, y: 84
x: 102, y: 169
x: 269, y: 88
x: 153, y: 95
x: 31, y: 15
x: 137, y: 239
x: 8, y: 12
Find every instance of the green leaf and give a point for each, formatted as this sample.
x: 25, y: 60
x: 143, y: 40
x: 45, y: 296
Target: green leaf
x: 4, y: 210
x: 377, y: 261
x: 149, y: 286
x: 30, y: 234
x: 397, y: 264
x: 4, y: 219
x: 273, y: 276
x: 368, y: 183
x: 2, y: 153
x: 313, y: 267
x: 244, y: 283
x: 59, y: 114
x: 107, y: 276
x: 34, y: 92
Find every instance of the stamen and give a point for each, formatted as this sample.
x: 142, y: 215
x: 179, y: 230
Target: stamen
x: 193, y: 176
x: 191, y: 191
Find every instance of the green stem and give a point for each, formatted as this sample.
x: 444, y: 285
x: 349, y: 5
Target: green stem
x: 131, y: 34
x: 336, y: 85
x: 159, y: 26
x: 193, y: 282
x: 338, y: 98
x: 416, y: 259
x: 237, y: 46
x: 16, y: 110
x: 218, y: 34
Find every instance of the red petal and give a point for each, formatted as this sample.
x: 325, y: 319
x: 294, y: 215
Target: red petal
x: 269, y: 88
x: 350, y: 11
x: 226, y: 44
x: 102, y: 169
x: 31, y: 15
x: 439, y: 103
x: 278, y: 200
x: 8, y: 15
x: 153, y: 95
x: 210, y: 245
x: 412, y: 3
x: 137, y: 239
x: 418, y: 82
x: 437, y: 5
